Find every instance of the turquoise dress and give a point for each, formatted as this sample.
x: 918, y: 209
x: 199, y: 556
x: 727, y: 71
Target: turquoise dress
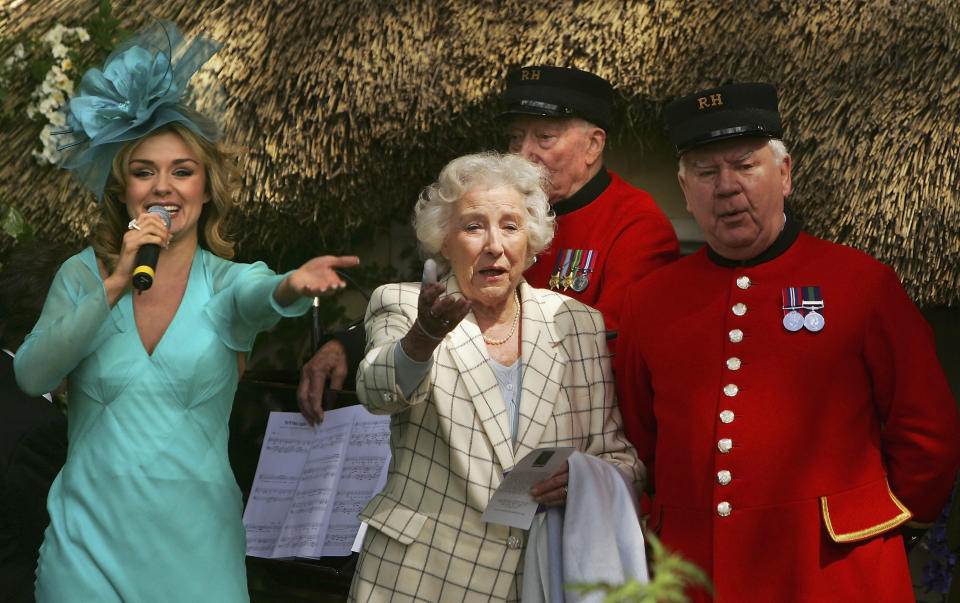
x: 146, y: 507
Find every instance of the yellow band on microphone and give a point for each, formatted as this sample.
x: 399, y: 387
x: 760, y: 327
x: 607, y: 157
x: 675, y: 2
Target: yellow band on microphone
x: 144, y: 270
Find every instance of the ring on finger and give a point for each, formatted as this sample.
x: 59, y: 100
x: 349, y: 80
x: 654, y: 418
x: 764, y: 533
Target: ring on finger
x: 563, y: 491
x: 132, y: 225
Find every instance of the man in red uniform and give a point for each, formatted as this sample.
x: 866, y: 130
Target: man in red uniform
x: 783, y: 391
x: 609, y: 234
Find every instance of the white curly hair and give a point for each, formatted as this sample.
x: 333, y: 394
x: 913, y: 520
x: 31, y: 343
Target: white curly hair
x: 434, y: 209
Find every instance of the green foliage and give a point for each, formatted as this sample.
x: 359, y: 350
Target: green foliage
x: 105, y: 29
x: 15, y: 225
x: 39, y: 68
x: 671, y: 575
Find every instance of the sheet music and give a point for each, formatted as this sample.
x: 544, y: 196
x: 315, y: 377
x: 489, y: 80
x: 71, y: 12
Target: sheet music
x: 363, y: 474
x: 312, y: 481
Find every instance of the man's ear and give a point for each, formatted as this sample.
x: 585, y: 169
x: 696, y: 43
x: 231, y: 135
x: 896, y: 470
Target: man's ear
x: 596, y: 140
x: 683, y: 187
x: 786, y: 183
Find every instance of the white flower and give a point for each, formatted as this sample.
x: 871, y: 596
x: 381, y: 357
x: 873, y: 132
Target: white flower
x: 32, y: 111
x: 78, y: 33
x: 59, y: 51
x: 66, y: 64
x: 49, y: 153
x: 58, y: 98
x: 18, y: 51
x: 47, y: 105
x: 55, y: 83
x: 55, y: 35
x: 58, y: 119
x: 56, y: 75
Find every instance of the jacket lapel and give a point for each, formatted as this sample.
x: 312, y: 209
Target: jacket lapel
x: 544, y: 361
x: 468, y: 352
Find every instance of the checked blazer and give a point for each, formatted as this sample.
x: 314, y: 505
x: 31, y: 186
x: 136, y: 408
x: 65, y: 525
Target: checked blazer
x: 451, y: 443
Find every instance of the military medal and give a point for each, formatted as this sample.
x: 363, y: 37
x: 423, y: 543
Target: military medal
x: 812, y: 301
x: 583, y: 280
x: 792, y: 318
x: 563, y: 271
x: 569, y: 274
x: 800, y: 305
x: 793, y: 321
x: 554, y: 281
x: 813, y: 321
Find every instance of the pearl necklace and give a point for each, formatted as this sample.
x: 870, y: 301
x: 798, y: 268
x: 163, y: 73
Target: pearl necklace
x: 513, y: 329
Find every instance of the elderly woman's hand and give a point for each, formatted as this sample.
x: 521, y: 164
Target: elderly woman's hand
x: 436, y: 316
x: 553, y: 490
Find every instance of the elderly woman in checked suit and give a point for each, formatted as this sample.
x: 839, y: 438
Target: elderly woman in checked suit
x: 477, y: 371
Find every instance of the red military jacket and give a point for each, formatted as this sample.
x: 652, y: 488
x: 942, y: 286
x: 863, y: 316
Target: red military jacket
x: 783, y: 460
x: 627, y: 233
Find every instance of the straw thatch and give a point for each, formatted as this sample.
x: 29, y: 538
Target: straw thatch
x: 348, y: 108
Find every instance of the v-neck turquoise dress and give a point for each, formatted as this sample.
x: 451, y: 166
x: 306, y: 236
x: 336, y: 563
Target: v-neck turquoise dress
x: 146, y: 507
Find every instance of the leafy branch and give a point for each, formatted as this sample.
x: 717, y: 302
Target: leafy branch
x: 671, y: 576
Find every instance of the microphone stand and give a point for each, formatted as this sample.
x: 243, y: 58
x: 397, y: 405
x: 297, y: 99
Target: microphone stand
x: 316, y: 329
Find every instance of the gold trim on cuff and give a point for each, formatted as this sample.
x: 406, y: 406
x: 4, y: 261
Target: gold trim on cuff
x: 904, y: 516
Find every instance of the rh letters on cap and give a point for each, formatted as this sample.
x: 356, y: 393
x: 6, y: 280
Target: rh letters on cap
x: 714, y: 100
x: 530, y: 74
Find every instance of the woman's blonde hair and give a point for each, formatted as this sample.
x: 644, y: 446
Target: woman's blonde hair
x: 223, y: 183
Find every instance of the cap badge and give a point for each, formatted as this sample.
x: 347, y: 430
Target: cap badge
x: 530, y: 74
x: 714, y: 100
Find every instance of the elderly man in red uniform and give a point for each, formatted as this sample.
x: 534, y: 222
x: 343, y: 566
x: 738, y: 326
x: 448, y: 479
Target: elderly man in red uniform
x: 609, y: 234
x: 783, y: 391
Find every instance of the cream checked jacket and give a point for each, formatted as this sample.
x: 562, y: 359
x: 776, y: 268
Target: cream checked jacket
x: 451, y: 443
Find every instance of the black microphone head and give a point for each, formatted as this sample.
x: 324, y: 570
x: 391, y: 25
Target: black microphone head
x: 142, y: 281
x: 160, y: 211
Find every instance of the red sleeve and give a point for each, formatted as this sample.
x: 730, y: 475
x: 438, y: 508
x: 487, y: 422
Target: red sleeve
x: 921, y: 433
x: 635, y: 391
x: 645, y: 245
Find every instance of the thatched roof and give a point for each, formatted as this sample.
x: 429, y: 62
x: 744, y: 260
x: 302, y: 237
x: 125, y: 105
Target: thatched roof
x: 348, y: 108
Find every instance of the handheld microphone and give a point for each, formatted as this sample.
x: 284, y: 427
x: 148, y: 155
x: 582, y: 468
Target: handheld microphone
x: 147, y: 256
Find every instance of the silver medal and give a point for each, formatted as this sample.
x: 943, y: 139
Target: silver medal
x: 813, y: 321
x: 580, y: 283
x: 793, y: 321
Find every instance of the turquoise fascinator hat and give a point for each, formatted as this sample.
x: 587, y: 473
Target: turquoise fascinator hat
x: 141, y: 86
